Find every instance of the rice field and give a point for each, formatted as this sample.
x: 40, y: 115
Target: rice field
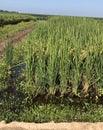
x: 58, y: 66
x: 65, y: 55
x: 14, y: 18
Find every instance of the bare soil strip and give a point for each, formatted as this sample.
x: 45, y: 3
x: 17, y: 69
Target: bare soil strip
x: 51, y: 126
x: 15, y: 38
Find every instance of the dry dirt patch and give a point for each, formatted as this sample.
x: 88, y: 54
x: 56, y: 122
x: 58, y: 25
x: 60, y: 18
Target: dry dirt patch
x: 51, y: 126
x: 12, y: 128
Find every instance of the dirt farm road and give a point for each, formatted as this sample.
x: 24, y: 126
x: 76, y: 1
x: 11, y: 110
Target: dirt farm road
x: 15, y: 38
x: 51, y: 126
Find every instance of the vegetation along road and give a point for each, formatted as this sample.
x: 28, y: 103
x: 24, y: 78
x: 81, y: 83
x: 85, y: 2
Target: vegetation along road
x: 15, y: 38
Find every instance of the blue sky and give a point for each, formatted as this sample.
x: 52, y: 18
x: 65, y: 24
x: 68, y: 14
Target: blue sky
x: 58, y: 7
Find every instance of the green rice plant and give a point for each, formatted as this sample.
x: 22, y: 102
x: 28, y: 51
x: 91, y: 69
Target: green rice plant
x: 29, y: 64
x: 9, y: 53
x: 5, y: 66
x: 66, y: 53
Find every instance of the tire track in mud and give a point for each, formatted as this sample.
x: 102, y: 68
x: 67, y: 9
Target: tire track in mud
x: 14, y: 38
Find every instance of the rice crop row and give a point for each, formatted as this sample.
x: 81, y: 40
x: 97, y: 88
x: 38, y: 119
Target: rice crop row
x: 14, y: 18
x: 65, y: 55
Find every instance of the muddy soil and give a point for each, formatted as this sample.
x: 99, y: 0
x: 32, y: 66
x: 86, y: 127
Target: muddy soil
x: 51, y: 126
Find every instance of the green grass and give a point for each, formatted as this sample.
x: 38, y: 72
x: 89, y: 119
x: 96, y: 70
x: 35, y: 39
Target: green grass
x: 50, y: 112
